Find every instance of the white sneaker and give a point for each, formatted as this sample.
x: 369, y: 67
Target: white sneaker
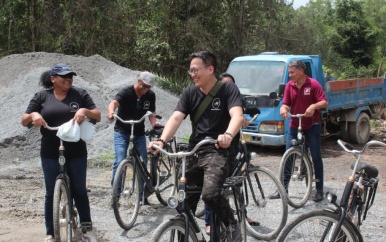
x: 49, y: 238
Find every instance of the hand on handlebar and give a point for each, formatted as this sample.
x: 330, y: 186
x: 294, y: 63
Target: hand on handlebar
x: 151, y: 149
x: 37, y: 120
x: 223, y: 141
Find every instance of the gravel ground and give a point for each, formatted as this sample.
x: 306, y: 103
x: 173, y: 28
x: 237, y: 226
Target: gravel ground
x: 21, y: 180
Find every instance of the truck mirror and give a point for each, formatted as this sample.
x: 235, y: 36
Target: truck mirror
x: 273, y: 95
x: 281, y: 90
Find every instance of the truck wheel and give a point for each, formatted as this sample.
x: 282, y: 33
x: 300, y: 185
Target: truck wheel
x: 344, y: 132
x: 359, y: 131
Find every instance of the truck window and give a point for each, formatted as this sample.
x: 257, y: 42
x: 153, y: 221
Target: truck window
x: 257, y: 78
x: 308, y: 69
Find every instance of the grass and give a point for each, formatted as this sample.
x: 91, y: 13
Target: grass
x: 103, y: 160
x: 175, y: 85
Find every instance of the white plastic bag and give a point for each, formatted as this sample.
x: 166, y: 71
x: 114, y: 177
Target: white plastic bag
x: 87, y: 130
x: 69, y: 131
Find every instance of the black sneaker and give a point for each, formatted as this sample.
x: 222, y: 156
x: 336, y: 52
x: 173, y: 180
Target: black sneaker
x: 145, y: 202
x: 318, y: 196
x: 86, y: 226
x: 233, y: 233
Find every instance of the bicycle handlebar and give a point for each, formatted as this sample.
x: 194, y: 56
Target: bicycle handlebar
x: 296, y: 115
x: 348, y: 148
x: 148, y: 113
x: 181, y: 154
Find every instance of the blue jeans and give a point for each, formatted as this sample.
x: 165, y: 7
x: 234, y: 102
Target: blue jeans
x: 76, y: 171
x: 121, y: 144
x: 312, y: 136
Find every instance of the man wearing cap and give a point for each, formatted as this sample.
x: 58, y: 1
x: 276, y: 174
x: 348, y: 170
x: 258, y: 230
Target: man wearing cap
x: 132, y: 102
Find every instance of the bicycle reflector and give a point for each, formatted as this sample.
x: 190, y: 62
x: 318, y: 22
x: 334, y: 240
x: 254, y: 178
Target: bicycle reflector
x: 253, y: 155
x: 172, y: 202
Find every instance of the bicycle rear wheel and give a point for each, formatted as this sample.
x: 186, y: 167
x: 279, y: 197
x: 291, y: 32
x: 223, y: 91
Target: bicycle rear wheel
x: 296, y: 176
x: 173, y: 230
x: 238, y: 213
x: 62, y: 212
x: 270, y: 213
x: 318, y: 225
x: 126, y: 203
x: 167, y: 173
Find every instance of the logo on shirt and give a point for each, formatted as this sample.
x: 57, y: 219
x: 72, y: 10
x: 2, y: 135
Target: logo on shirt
x: 216, y: 104
x: 74, y: 107
x: 307, y: 91
x: 146, y: 105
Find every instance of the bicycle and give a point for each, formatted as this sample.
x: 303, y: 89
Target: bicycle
x: 185, y: 223
x: 65, y: 215
x: 343, y: 222
x: 296, y: 169
x: 259, y: 184
x: 161, y: 163
x: 132, y: 178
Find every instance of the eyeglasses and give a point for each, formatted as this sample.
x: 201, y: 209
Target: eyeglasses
x: 139, y: 104
x: 192, y: 71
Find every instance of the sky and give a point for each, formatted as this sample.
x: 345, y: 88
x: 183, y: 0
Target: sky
x: 298, y: 3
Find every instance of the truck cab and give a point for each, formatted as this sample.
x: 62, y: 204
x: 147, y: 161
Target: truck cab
x: 257, y: 76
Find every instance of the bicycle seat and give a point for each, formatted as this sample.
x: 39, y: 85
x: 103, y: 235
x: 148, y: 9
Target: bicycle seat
x: 370, y: 171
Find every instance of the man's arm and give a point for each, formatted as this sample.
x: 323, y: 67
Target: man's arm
x: 111, y: 109
x: 311, y: 109
x: 284, y: 111
x: 170, y: 129
x: 237, y: 118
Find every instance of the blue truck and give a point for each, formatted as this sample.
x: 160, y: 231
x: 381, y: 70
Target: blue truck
x: 261, y: 79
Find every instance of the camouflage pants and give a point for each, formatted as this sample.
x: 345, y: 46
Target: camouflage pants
x: 209, y: 169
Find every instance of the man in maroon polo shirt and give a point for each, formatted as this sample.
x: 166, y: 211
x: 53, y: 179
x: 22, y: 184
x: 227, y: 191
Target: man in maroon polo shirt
x: 305, y: 95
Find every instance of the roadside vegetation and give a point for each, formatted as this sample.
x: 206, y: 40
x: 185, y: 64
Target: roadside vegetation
x: 159, y: 35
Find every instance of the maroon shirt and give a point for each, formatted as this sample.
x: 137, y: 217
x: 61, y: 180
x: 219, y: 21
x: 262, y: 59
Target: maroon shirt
x: 299, y: 100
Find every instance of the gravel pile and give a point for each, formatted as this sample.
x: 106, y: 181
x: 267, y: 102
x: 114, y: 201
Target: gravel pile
x: 102, y: 78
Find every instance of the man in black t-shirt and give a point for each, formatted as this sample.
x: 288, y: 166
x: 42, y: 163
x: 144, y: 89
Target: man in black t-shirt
x: 132, y: 102
x: 221, y: 120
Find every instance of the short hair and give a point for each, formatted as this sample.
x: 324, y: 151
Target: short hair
x: 207, y: 57
x: 298, y: 64
x: 225, y: 74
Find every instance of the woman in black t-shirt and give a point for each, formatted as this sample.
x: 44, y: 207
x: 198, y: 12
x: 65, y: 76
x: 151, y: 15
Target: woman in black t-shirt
x: 54, y: 106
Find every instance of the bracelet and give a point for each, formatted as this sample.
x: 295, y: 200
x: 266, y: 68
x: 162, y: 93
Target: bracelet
x: 229, y: 134
x: 163, y: 141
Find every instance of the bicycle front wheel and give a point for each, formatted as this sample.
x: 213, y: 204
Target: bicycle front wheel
x: 167, y: 174
x: 271, y: 214
x: 62, y: 212
x: 296, y: 175
x: 126, y: 194
x: 318, y: 225
x: 173, y: 230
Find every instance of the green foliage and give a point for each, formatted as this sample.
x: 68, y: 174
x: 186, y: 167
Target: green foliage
x: 173, y: 84
x: 159, y: 35
x: 103, y: 160
x: 354, y: 37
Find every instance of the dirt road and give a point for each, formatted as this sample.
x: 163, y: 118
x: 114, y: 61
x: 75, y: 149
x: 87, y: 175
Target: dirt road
x: 22, y: 196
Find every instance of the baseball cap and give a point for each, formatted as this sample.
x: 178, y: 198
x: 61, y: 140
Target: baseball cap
x: 147, y: 78
x: 61, y: 69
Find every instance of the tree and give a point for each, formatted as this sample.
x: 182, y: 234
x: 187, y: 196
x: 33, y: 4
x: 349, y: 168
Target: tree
x: 354, y: 37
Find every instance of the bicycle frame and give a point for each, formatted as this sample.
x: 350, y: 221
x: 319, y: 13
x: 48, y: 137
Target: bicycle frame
x: 138, y: 161
x: 179, y: 202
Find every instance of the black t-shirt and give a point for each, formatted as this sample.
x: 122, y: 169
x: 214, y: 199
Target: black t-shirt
x: 215, y: 119
x: 56, y: 113
x: 133, y: 108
